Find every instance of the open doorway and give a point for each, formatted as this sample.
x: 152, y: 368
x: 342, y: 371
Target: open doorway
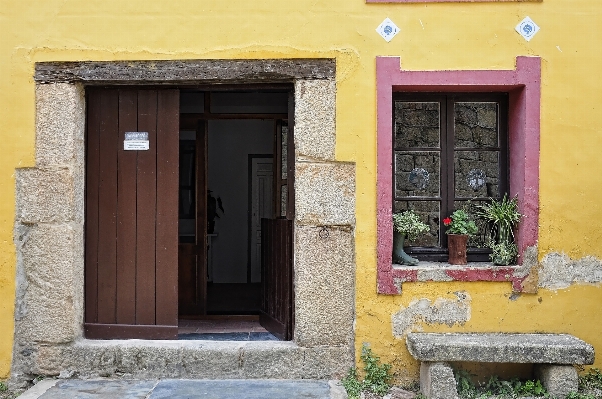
x: 233, y: 173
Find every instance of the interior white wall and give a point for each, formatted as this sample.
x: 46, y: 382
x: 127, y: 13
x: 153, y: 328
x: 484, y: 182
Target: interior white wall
x: 229, y: 144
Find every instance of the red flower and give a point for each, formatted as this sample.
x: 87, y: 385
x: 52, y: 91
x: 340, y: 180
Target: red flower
x: 447, y: 221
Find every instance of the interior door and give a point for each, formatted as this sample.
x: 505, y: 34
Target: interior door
x: 262, y: 199
x: 131, y: 247
x: 193, y: 255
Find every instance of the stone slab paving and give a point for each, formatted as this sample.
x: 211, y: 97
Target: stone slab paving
x: 236, y: 389
x: 185, y: 389
x: 99, y: 389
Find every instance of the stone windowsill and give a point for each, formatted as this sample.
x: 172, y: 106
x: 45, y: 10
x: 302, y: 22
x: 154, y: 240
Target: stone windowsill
x: 473, y: 271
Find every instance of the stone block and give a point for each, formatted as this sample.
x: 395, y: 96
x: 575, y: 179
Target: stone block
x: 559, y: 380
x: 48, y: 360
x: 325, y: 193
x: 211, y: 360
x: 500, y: 348
x: 93, y: 358
x: 266, y: 360
x: 437, y: 381
x: 324, y: 286
x: 60, y: 124
x: 46, y: 196
x: 148, y: 361
x: 315, y: 133
x: 52, y: 265
x: 327, y: 362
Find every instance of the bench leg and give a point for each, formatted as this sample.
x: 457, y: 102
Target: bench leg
x: 437, y: 380
x: 558, y: 379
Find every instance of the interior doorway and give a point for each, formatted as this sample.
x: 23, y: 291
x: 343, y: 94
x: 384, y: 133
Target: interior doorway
x: 233, y: 174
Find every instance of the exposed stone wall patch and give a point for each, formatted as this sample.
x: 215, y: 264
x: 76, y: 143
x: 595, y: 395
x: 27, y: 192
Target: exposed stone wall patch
x: 559, y: 271
x: 441, y: 311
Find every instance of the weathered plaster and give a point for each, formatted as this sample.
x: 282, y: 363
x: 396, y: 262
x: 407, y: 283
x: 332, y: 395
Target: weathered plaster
x: 423, y: 311
x: 49, y: 237
x: 444, y: 1
x: 558, y: 271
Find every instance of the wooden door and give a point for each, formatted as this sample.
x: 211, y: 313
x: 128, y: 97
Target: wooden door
x: 192, y: 267
x: 131, y: 256
x: 278, y: 297
x: 277, y: 277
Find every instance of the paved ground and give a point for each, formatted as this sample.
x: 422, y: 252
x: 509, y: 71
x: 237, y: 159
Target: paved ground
x: 184, y: 389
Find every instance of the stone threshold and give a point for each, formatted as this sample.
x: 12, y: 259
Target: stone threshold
x: 137, y: 358
x: 191, y: 344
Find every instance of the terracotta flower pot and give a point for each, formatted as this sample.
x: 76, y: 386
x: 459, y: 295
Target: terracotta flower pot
x: 456, y: 244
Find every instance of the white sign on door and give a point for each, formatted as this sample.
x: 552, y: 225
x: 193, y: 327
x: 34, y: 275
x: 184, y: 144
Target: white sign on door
x: 136, y: 141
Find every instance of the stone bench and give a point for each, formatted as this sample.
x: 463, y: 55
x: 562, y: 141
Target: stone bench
x: 553, y: 355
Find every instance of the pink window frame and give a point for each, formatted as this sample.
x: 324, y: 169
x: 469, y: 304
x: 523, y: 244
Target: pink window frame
x: 523, y: 85
x: 450, y: 1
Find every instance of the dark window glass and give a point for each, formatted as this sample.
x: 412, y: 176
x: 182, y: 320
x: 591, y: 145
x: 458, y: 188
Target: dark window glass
x: 450, y: 153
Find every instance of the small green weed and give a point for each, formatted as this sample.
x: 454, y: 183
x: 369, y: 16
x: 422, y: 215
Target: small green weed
x: 3, y: 387
x: 377, y: 376
x: 591, y: 380
x: 530, y: 387
x: 590, y: 385
x: 577, y: 395
x: 497, y: 387
x: 352, y: 384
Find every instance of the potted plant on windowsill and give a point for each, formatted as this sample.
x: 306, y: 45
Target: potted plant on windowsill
x: 459, y: 228
x: 503, y: 217
x: 406, y: 225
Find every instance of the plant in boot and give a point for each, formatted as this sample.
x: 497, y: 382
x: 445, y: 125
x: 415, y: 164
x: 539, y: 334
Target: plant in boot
x: 406, y: 225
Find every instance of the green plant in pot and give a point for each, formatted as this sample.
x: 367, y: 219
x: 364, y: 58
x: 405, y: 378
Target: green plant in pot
x: 406, y: 225
x: 459, y: 227
x: 503, y: 217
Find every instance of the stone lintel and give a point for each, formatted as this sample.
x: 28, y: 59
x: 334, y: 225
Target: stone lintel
x: 500, y: 348
x: 185, y: 71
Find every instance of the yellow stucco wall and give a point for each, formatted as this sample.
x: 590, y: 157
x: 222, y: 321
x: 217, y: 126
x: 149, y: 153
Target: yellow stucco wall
x: 433, y: 36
